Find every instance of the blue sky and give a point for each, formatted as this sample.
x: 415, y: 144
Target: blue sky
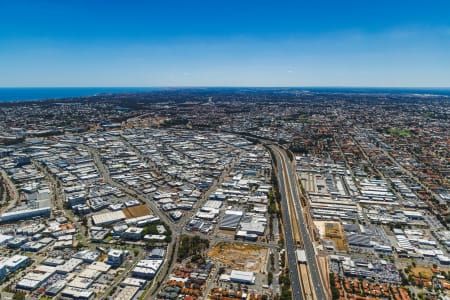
x: 225, y: 43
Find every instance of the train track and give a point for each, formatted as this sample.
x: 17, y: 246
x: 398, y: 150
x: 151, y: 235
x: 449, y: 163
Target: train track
x: 302, y: 269
x: 306, y: 281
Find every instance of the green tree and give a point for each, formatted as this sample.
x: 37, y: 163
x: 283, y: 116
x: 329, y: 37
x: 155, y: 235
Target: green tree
x: 335, y: 293
x: 19, y: 296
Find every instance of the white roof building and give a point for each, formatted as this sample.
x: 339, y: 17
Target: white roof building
x: 242, y: 277
x: 108, y: 218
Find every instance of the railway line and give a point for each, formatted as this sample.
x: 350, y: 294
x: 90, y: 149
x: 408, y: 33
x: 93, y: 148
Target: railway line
x: 289, y: 234
x: 302, y: 269
x: 306, y: 281
x: 302, y: 287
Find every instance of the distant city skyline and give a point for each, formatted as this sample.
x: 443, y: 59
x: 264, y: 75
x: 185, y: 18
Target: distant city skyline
x: 232, y: 43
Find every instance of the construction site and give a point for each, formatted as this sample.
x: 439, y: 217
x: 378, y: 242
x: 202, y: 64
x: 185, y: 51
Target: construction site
x: 243, y: 257
x: 333, y: 231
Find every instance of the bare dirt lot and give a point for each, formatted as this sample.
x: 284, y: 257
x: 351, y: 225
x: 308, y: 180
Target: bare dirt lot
x: 424, y: 272
x: 240, y: 256
x: 333, y: 231
x: 136, y: 211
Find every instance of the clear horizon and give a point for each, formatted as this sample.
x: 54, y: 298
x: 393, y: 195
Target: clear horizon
x: 227, y: 86
x: 238, y: 43
x: 13, y: 94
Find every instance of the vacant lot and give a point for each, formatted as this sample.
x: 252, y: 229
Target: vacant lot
x: 136, y: 211
x: 424, y: 271
x: 240, y: 256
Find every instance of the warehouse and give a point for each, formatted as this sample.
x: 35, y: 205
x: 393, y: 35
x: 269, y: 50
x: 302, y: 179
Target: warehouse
x: 252, y: 226
x: 240, y: 234
x: 127, y: 293
x: 242, y: 277
x: 34, y: 279
x: 90, y: 273
x: 5, y: 239
x: 129, y: 281
x: 99, y: 266
x: 25, y: 214
x: 108, y: 218
x: 81, y: 283
x: 54, y: 289
x: 16, y: 262
x: 231, y: 220
x: 28, y: 284
x: 413, y: 215
x: 77, y: 293
x: 69, y: 266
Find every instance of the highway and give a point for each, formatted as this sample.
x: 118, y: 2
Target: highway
x: 287, y: 179
x: 294, y: 233
x: 288, y: 236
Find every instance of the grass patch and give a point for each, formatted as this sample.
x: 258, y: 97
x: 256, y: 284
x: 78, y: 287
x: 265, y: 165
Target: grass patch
x: 403, y: 132
x: 108, y: 239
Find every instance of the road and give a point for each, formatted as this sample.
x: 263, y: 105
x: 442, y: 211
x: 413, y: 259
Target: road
x: 56, y: 190
x: 178, y: 229
x: 288, y: 236
x: 9, y: 187
x: 127, y: 269
x: 285, y: 182
x: 211, y: 281
x: 411, y: 175
x: 172, y: 247
x: 217, y: 239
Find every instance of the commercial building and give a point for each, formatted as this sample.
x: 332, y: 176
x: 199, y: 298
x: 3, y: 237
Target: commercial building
x: 55, y: 288
x: 99, y: 266
x: 77, y: 293
x: 35, y: 278
x: 3, y: 268
x: 242, y: 277
x: 147, y: 268
x: 81, y: 282
x: 231, y: 220
x: 25, y: 214
x: 16, y: 262
x: 133, y: 233
x: 130, y: 281
x: 108, y: 218
x: 17, y: 242
x: 115, y: 258
x: 88, y: 256
x: 127, y: 293
x: 157, y: 253
x: 5, y: 239
x: 69, y: 266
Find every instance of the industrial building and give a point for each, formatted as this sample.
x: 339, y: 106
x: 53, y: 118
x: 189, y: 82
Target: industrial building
x: 115, y: 258
x: 231, y: 220
x: 242, y: 277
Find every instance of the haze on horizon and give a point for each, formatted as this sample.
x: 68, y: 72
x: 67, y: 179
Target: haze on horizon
x: 224, y: 43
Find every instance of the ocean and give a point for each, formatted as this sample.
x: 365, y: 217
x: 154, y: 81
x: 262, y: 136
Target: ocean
x: 27, y: 94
